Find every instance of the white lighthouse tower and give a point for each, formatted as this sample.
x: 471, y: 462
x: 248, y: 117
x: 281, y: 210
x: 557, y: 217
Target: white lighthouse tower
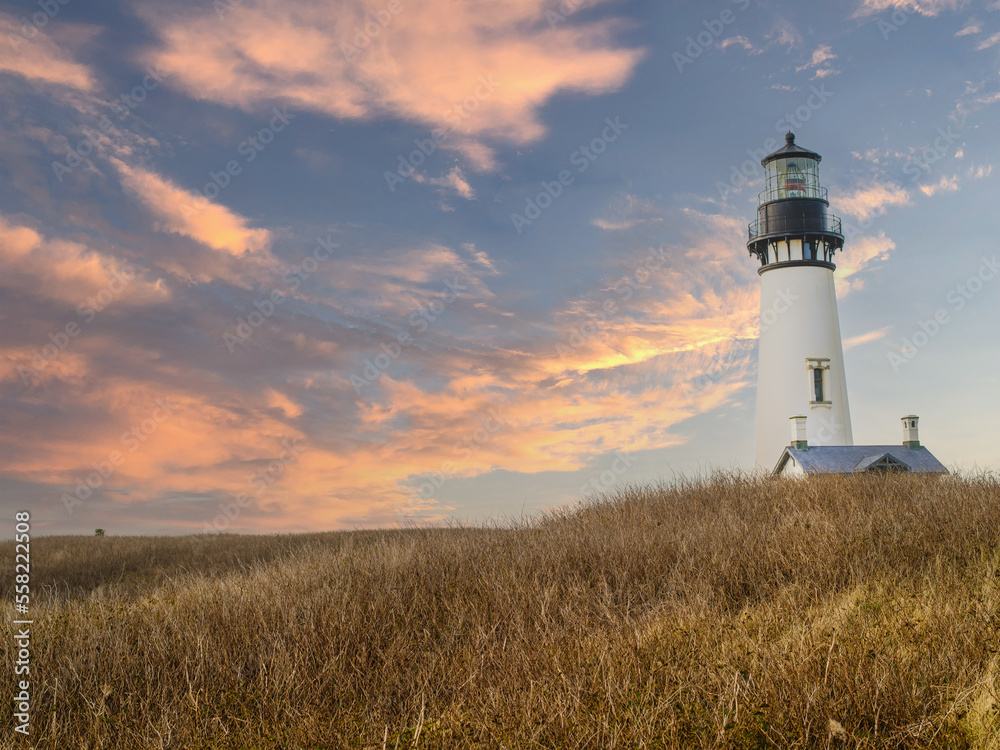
x: 801, y: 357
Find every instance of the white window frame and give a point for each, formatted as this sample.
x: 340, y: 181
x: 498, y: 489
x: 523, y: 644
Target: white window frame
x: 822, y: 364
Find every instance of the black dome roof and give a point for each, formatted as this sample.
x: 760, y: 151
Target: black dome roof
x: 790, y: 149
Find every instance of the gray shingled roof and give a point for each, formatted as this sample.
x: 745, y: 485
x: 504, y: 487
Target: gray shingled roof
x: 846, y: 459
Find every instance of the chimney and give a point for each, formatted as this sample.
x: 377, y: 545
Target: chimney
x: 910, y: 438
x: 799, y: 433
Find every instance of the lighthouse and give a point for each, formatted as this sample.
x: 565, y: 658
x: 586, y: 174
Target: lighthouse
x: 801, y: 356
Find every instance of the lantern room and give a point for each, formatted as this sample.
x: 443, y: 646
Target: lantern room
x: 793, y: 176
x: 793, y: 223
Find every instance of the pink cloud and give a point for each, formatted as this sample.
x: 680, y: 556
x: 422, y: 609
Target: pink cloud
x: 68, y: 271
x: 183, y: 212
x: 866, y: 338
x: 944, y: 185
x: 858, y: 255
x: 33, y: 53
x: 478, y: 71
x: 871, y: 199
x: 453, y: 180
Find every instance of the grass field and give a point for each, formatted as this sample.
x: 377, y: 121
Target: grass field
x: 740, y: 612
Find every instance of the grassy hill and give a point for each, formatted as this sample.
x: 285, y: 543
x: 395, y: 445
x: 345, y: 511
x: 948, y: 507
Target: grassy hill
x: 739, y: 612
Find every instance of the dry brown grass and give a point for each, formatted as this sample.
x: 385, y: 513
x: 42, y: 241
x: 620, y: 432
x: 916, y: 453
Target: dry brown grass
x: 735, y: 612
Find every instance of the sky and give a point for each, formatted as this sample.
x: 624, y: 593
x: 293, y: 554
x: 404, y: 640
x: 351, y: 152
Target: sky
x: 284, y: 265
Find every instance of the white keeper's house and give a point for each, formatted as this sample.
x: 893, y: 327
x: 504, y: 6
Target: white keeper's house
x: 801, y: 379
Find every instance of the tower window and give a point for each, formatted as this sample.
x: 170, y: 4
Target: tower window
x: 818, y: 385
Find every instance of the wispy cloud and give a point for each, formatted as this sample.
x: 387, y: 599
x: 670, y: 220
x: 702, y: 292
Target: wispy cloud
x: 480, y: 257
x: 866, y: 338
x: 192, y: 215
x: 629, y: 211
x: 396, y: 280
x: 453, y: 181
x: 989, y: 42
x: 785, y: 34
x: 614, y: 226
x: 971, y: 27
x: 859, y: 255
x: 820, y: 57
x: 871, y: 200
x: 740, y: 41
x: 823, y: 53
x: 41, y: 57
x: 944, y: 185
x: 923, y: 7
